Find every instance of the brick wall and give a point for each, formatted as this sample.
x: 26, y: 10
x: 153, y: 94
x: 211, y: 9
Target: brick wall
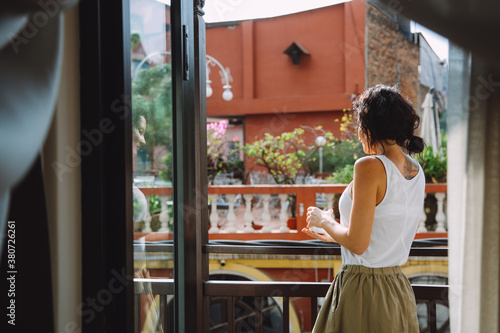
x: 391, y: 57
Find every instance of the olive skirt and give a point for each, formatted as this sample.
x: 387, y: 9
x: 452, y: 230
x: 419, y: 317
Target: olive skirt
x: 368, y: 300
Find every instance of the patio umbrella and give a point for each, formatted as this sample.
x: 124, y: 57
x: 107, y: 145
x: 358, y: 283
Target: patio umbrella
x: 430, y: 130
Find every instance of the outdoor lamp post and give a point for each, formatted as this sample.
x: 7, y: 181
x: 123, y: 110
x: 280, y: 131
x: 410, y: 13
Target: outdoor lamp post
x: 320, y: 142
x: 227, y: 95
x: 209, y: 88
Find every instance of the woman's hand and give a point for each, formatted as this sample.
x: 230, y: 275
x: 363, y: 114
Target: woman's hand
x: 322, y: 237
x: 316, y: 216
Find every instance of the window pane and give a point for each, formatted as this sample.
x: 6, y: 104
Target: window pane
x: 152, y: 160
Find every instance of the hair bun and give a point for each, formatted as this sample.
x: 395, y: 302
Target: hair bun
x: 415, y: 144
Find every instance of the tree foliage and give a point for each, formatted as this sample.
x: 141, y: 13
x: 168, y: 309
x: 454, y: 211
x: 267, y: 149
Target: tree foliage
x: 285, y: 155
x: 152, y: 95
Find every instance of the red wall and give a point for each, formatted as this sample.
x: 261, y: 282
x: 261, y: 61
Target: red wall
x: 264, y: 79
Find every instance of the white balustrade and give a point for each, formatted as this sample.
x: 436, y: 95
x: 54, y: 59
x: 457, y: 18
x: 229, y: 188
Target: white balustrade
x: 266, y: 216
x: 283, y: 213
x: 164, y: 218
x: 440, y: 215
x: 231, y: 216
x: 214, y: 216
x: 147, y: 218
x: 240, y: 219
x: 329, y: 200
x: 423, y: 218
x: 248, y: 216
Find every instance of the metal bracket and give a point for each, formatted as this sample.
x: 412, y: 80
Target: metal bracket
x: 185, y: 50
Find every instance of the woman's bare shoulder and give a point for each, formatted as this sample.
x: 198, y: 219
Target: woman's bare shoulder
x: 369, y: 166
x: 368, y: 161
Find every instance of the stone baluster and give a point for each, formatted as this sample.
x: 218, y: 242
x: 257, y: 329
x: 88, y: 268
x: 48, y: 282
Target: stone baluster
x: 440, y: 215
x: 266, y: 216
x: 284, y: 213
x: 147, y: 218
x: 214, y: 217
x: 164, y: 218
x: 248, y: 217
x: 329, y: 200
x: 423, y: 218
x: 231, y: 216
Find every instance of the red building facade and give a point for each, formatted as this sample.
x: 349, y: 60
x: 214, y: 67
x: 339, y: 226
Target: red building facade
x: 350, y: 46
x: 270, y: 92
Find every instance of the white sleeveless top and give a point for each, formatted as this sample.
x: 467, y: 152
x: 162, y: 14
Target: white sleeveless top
x: 395, y: 222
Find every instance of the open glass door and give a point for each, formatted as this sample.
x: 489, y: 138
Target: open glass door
x: 144, y: 200
x: 152, y: 163
x: 169, y: 188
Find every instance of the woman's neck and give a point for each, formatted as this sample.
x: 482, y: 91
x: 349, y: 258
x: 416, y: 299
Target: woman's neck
x: 389, y: 149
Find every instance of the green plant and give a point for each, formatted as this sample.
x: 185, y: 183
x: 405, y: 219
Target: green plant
x: 342, y: 176
x: 223, y: 155
x: 285, y: 155
x: 167, y: 174
x: 154, y: 204
x: 341, y: 152
x: 337, y: 155
x: 152, y: 95
x: 155, y: 209
x: 434, y: 163
x: 348, y: 125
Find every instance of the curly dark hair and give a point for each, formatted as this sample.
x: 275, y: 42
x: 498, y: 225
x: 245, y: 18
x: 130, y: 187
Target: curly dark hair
x: 384, y: 114
x: 136, y: 116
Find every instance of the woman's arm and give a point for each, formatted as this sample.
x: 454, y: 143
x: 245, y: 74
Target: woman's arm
x: 368, y: 176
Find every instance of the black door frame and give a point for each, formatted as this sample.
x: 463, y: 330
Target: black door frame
x: 107, y: 252
x: 190, y: 172
x: 106, y: 164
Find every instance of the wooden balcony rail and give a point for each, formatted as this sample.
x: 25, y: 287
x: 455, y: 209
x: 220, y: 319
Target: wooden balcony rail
x: 284, y: 290
x: 238, y: 211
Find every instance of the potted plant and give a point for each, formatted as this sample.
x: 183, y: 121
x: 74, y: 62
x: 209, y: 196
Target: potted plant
x: 434, y: 162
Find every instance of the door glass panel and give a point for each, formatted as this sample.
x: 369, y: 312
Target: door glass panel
x: 152, y: 163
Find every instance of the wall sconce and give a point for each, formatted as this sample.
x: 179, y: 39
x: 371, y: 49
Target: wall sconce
x: 295, y: 50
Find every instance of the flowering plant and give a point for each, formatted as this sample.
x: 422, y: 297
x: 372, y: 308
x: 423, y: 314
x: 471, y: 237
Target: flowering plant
x: 216, y: 137
x: 285, y: 155
x: 223, y: 154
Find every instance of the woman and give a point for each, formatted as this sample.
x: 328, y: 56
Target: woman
x: 379, y: 216
x: 138, y: 129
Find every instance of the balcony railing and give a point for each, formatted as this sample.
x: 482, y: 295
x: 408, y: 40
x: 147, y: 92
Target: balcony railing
x: 238, y: 211
x: 232, y: 290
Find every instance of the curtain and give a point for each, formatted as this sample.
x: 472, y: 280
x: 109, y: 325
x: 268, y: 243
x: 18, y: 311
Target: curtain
x: 31, y: 275
x: 30, y: 62
x: 473, y: 193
